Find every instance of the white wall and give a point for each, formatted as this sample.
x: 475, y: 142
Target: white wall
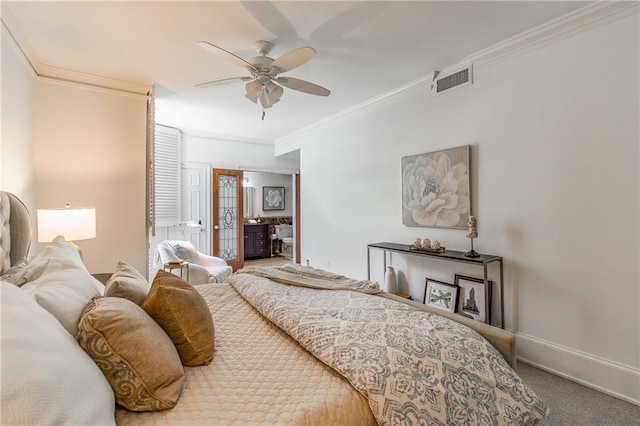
x: 90, y: 152
x: 228, y: 154
x: 17, y: 171
x: 555, y: 185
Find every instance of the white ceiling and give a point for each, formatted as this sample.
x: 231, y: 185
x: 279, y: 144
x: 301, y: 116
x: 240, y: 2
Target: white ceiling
x: 365, y: 49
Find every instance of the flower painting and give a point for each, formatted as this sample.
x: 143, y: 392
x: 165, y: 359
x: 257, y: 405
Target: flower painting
x: 272, y: 198
x: 436, y: 190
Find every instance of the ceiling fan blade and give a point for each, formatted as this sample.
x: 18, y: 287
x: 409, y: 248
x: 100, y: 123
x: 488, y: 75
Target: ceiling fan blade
x: 223, y: 81
x: 226, y: 54
x: 303, y: 86
x: 294, y: 59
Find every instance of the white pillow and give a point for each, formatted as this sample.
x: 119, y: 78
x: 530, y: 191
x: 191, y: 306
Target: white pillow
x: 64, y: 286
x: 46, y: 376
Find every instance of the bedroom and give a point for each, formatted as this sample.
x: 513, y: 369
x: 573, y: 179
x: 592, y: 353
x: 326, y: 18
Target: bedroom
x: 554, y: 136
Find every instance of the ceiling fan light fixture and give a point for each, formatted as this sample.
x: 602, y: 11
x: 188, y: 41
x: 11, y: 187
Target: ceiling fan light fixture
x: 265, y: 70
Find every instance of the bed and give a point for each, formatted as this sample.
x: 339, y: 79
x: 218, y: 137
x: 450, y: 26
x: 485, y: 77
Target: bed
x: 279, y: 345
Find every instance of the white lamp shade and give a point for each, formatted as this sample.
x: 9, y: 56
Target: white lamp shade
x: 72, y: 224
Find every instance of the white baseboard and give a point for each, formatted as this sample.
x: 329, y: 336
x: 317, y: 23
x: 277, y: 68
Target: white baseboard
x: 606, y: 376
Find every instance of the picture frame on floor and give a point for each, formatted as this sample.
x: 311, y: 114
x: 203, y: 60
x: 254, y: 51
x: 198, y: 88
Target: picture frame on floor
x: 472, y: 301
x: 440, y: 295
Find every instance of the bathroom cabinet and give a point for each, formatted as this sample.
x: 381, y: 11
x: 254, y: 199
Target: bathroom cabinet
x: 256, y: 241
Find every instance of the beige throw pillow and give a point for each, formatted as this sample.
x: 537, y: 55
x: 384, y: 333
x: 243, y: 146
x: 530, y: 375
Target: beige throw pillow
x: 136, y: 356
x: 127, y: 282
x: 184, y: 315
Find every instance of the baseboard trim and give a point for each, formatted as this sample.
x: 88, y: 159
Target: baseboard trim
x: 603, y: 375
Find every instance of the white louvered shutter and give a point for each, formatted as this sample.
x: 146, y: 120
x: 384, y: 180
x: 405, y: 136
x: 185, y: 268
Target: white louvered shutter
x: 167, y: 176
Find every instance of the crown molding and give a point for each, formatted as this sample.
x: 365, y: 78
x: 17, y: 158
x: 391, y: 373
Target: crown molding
x: 318, y: 125
x: 49, y: 73
x: 591, y: 16
x: 203, y: 134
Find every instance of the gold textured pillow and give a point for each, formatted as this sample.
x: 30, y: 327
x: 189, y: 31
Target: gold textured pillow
x: 127, y: 282
x: 184, y: 315
x: 136, y: 356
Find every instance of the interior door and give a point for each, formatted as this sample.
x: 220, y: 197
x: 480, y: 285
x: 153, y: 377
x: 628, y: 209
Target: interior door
x: 194, y: 204
x: 228, y: 218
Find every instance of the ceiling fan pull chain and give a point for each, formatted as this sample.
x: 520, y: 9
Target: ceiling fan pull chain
x: 263, y: 114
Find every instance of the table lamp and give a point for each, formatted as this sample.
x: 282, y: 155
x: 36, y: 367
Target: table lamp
x: 73, y: 224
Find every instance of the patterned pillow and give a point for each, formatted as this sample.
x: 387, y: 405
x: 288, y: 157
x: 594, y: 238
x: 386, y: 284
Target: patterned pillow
x: 184, y: 315
x: 136, y: 356
x: 187, y: 252
x: 127, y: 282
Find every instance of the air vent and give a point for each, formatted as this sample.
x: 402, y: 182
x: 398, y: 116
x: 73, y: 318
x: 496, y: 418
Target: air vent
x: 455, y: 77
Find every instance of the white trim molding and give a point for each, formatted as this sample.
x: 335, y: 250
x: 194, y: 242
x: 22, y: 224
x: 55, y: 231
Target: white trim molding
x: 45, y: 72
x: 606, y: 376
x: 591, y: 16
x: 594, y: 15
x: 312, y: 128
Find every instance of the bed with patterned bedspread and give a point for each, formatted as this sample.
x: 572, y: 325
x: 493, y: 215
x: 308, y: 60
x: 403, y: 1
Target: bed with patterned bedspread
x: 292, y: 345
x: 414, y: 367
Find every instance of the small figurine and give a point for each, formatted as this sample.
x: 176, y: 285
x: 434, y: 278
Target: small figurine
x: 473, y: 233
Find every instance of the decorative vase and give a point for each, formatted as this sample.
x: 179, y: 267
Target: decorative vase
x: 390, y: 280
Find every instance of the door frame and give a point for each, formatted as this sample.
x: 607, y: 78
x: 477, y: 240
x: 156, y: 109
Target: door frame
x: 215, y: 229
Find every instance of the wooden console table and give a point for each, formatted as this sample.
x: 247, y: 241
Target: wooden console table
x: 450, y: 255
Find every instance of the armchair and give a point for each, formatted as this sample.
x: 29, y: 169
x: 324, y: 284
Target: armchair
x: 203, y: 269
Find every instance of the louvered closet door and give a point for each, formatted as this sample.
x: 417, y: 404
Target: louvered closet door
x: 228, y: 230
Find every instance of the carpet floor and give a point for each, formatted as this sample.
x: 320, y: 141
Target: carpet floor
x: 572, y: 404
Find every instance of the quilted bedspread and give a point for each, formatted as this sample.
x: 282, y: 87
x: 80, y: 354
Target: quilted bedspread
x: 413, y: 366
x: 258, y: 376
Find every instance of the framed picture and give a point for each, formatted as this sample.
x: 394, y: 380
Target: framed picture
x: 272, y: 198
x: 440, y: 295
x: 436, y: 189
x: 471, y: 301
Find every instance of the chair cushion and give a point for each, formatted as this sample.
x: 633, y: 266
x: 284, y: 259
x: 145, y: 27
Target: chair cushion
x: 184, y: 315
x: 187, y: 251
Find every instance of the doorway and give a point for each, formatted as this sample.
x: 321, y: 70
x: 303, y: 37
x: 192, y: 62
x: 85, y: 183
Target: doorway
x: 280, y: 218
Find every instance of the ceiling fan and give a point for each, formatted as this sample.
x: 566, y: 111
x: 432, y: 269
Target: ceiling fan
x: 261, y: 85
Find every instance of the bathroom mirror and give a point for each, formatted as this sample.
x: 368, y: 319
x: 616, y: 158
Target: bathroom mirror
x: 248, y: 201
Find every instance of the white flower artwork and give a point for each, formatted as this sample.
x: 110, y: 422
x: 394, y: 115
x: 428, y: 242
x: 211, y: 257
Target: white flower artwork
x: 272, y: 198
x: 435, y: 189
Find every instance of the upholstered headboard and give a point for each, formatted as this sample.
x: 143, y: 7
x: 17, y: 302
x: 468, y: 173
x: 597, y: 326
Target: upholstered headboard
x: 15, y: 230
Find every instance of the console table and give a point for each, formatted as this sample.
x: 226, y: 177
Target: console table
x: 449, y: 255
